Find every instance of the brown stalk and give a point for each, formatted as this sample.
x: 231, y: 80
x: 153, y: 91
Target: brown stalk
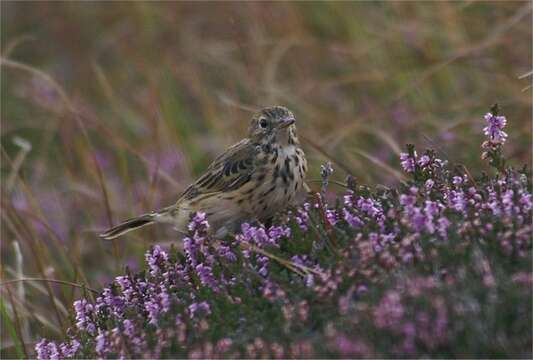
x: 14, y: 226
x: 297, y: 268
x: 39, y: 216
x: 55, y: 281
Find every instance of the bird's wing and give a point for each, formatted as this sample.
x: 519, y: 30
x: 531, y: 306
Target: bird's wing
x: 229, y: 171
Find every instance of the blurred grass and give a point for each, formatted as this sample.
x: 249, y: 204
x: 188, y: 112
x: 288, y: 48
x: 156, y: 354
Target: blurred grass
x: 161, y: 88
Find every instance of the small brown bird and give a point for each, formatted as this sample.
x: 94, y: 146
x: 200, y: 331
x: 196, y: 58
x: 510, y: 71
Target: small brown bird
x: 251, y: 180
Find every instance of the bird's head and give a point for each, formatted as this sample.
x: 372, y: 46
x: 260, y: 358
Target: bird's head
x: 273, y: 124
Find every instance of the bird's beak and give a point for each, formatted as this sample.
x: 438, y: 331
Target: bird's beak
x: 286, y: 123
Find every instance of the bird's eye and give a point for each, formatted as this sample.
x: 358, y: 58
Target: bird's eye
x: 263, y: 123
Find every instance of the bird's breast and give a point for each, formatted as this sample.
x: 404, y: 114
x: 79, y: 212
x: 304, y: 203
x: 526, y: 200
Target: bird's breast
x: 278, y: 180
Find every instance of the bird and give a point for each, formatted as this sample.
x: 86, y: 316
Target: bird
x: 251, y: 180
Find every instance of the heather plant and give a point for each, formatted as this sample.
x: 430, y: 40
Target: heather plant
x: 438, y: 267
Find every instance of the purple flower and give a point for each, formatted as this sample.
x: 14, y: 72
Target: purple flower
x: 457, y: 200
x: 408, y: 163
x: 201, y: 306
x: 351, y: 219
x: 371, y: 208
x: 157, y: 260
x: 389, y: 311
x: 442, y: 227
x: 302, y: 216
x: 100, y: 346
x: 189, y: 247
x: 277, y: 232
x: 494, y: 128
x: 195, y: 246
x: 83, y: 315
x: 69, y: 350
x: 41, y: 348
x: 225, y: 252
x: 199, y: 222
x: 205, y: 273
x: 114, y: 304
x: 457, y: 180
x: 331, y: 216
x: 525, y: 201
x: 424, y: 161
x: 300, y: 260
x: 259, y: 236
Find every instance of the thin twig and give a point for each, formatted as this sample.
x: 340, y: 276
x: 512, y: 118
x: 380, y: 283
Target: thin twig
x: 323, y: 152
x: 297, y: 268
x: 56, y: 281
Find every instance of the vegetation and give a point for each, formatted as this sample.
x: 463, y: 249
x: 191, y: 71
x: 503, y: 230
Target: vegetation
x: 438, y: 267
x: 110, y: 110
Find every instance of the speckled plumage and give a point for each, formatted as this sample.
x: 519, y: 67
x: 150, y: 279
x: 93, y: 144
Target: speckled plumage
x: 251, y: 180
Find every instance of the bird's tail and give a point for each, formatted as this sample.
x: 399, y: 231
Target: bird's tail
x: 128, y: 225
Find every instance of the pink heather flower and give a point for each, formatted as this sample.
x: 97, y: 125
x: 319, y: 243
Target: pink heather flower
x: 199, y: 222
x: 223, y: 345
x: 301, y: 260
x: 302, y: 216
x: 348, y: 199
x: 494, y: 128
x: 277, y: 232
x: 442, y: 227
x: 84, y: 312
x: 370, y: 207
x: 523, y: 279
x: 201, y: 306
x: 457, y: 200
x: 351, y: 219
x: 69, y: 350
x: 225, y: 252
x: 205, y: 273
x: 407, y: 162
x: 331, y: 215
x: 156, y: 260
x: 100, y: 347
x: 423, y: 161
x: 351, y: 348
x: 41, y: 349
x: 525, y: 201
x: 389, y: 311
x: 115, y: 304
x: 309, y: 280
x: 457, y: 180
x: 157, y: 303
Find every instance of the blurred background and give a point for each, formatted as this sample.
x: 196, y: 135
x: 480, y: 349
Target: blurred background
x: 110, y: 109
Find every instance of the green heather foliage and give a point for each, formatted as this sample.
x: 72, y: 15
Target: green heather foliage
x: 438, y: 267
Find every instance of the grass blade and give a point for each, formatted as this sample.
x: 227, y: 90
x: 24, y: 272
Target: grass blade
x: 12, y: 330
